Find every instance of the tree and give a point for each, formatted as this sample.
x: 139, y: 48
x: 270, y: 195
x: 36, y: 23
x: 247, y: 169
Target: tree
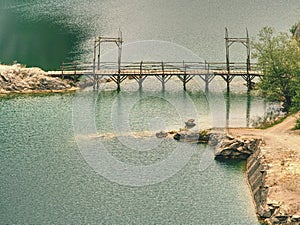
x: 278, y: 58
x: 293, y: 29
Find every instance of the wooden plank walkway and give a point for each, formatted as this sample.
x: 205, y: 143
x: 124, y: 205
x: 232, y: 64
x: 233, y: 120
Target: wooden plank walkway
x: 185, y: 71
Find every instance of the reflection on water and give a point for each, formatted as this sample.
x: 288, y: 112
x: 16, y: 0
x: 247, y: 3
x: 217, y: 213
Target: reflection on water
x: 248, y: 115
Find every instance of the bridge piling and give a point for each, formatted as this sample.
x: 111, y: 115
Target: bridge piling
x: 206, y: 83
x: 228, y: 83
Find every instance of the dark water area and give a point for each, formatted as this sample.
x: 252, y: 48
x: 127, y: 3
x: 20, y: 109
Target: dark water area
x: 37, y: 42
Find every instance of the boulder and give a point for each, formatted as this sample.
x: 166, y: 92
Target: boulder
x: 161, y: 134
x: 296, y: 218
x: 231, y: 148
x: 190, y: 123
x: 17, y: 78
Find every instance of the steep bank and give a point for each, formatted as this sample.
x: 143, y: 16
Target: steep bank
x: 19, y: 79
x: 274, y: 172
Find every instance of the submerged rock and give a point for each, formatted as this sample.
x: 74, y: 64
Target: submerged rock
x: 161, y: 134
x: 189, y: 136
x: 190, y: 123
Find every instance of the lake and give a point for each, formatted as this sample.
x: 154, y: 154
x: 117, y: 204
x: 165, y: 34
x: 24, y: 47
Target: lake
x: 92, y: 157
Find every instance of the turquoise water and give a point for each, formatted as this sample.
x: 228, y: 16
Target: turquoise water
x: 46, y: 179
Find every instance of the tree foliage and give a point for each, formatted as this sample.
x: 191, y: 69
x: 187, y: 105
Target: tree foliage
x: 293, y: 29
x: 278, y: 57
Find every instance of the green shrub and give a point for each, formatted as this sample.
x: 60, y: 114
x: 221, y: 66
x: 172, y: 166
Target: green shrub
x: 297, y: 127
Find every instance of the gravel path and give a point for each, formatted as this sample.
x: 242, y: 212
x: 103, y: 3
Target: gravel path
x: 281, y: 152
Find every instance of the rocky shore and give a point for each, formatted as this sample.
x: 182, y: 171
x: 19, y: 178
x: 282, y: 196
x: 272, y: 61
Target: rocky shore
x: 273, y: 172
x: 273, y: 165
x: 19, y: 79
x: 271, y: 207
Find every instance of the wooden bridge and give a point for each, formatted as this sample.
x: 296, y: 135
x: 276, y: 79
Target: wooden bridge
x: 163, y: 71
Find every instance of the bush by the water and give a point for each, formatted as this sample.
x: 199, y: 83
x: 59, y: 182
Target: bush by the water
x: 297, y: 127
x: 272, y: 116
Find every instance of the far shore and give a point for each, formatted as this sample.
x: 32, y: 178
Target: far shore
x: 17, y: 79
x: 72, y: 89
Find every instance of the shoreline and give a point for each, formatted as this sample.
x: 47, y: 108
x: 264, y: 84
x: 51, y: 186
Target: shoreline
x: 273, y: 172
x: 17, y: 79
x: 72, y: 89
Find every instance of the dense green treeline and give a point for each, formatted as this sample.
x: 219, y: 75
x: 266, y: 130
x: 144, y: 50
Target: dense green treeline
x: 278, y: 56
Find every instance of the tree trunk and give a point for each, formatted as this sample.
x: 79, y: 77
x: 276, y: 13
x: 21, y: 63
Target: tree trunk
x: 287, y: 103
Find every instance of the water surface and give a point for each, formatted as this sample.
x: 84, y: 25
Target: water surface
x: 45, y: 33
x: 45, y: 179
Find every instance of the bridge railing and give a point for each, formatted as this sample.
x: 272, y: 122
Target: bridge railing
x: 151, y: 67
x: 232, y: 66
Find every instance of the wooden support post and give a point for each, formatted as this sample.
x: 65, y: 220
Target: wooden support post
x: 206, y: 80
x: 97, y: 81
x: 119, y: 43
x: 248, y: 108
x: 227, y: 109
x: 206, y: 76
x: 62, y: 70
x: 184, y: 77
x: 99, y: 51
x: 228, y: 83
x: 75, y: 69
x: 247, y: 44
x: 184, y: 86
x: 227, y: 45
x: 206, y: 83
x: 94, y: 65
x: 118, y: 84
x: 140, y: 76
x: 163, y: 75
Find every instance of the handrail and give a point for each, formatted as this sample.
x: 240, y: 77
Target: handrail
x: 155, y: 65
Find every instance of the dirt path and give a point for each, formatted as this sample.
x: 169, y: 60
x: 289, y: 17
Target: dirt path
x: 281, y: 152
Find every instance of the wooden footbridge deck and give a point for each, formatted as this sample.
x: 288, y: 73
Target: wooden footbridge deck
x: 163, y: 71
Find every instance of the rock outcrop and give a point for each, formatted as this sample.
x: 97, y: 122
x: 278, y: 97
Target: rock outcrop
x: 233, y: 148
x: 17, y: 78
x: 226, y: 147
